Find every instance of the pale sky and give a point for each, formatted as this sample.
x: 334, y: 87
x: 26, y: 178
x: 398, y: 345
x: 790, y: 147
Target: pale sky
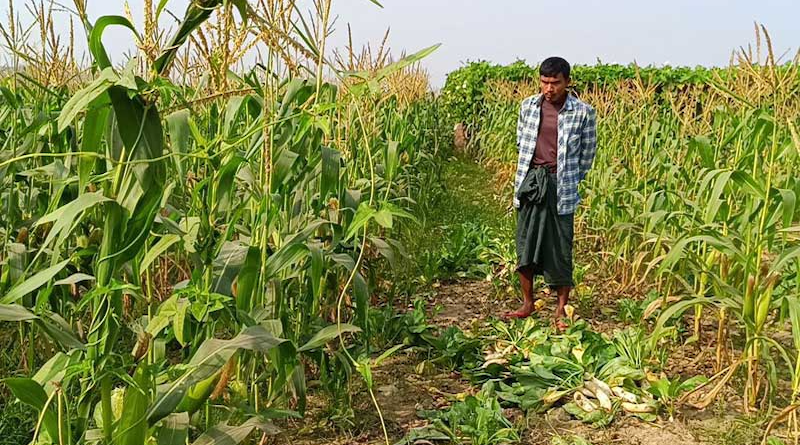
x: 675, y: 32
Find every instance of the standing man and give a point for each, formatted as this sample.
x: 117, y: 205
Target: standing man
x: 557, y: 141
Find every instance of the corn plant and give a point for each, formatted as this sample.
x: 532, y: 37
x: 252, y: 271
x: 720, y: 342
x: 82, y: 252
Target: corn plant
x: 177, y: 249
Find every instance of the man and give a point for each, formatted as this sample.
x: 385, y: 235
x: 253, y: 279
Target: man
x: 557, y: 141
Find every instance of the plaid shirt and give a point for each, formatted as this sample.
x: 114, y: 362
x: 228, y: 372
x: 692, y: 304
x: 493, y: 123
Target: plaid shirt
x: 577, y: 145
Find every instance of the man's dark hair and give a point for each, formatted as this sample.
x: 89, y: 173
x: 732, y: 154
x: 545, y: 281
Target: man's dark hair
x: 552, y: 66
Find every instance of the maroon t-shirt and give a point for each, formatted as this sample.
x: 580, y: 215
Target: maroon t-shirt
x: 546, y: 152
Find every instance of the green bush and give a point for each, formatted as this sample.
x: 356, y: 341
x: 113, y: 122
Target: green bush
x: 463, y: 92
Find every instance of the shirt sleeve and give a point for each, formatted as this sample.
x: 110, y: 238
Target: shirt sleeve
x: 520, y: 124
x: 588, y: 143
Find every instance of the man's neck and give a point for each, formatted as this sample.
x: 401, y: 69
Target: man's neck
x: 558, y: 103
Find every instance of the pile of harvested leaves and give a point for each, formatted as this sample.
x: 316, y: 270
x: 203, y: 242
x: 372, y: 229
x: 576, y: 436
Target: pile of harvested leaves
x: 594, y: 376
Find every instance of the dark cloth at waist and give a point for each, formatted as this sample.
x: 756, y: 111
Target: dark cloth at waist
x: 534, y: 187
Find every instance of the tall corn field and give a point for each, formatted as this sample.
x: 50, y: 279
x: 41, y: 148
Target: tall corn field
x: 179, y: 231
x: 200, y: 237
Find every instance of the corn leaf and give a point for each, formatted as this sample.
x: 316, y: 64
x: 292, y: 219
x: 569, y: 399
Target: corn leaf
x: 225, y: 434
x: 132, y: 428
x: 32, y: 394
x: 174, y: 430
x: 209, y: 358
x: 96, y: 37
x: 36, y: 281
x: 327, y: 334
x: 15, y: 312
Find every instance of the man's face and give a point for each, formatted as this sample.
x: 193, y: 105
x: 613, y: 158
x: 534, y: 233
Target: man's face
x: 554, y: 88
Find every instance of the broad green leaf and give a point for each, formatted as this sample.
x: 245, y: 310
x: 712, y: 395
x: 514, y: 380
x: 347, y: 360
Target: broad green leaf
x: 65, y: 217
x: 96, y: 37
x: 224, y: 434
x: 83, y: 97
x: 286, y: 256
x: 158, y: 248
x: 161, y: 5
x: 293, y: 88
x: 676, y: 309
x: 785, y: 257
x: 196, y: 14
x: 327, y: 334
x: 388, y: 353
x: 94, y: 125
x: 292, y: 251
x: 53, y: 370
x: 224, y: 184
x: 361, y: 292
x: 178, y: 125
x: 132, y: 427
x: 174, y: 430
x: 36, y: 281
x: 748, y: 184
x: 282, y: 168
x: 74, y: 278
x: 32, y: 394
x: 329, y: 182
x: 702, y: 145
x: 691, y: 383
x: 317, y: 265
x: 232, y: 109
x: 794, y: 316
x: 247, y: 280
x: 363, y: 215
x: 53, y: 171
x: 392, y: 160
x: 241, y: 6
x: 385, y: 250
x: 788, y: 202
x: 16, y: 261
x: 141, y: 132
x: 714, y: 201
x: 209, y: 358
x: 52, y: 324
x: 15, y: 312
x: 179, y: 320
x: 422, y: 435
x: 59, y: 330
x: 299, y: 387
x: 9, y: 96
x: 396, y: 66
x: 397, y: 211
x: 142, y: 135
x: 383, y: 218
x: 197, y: 395
x: 164, y: 317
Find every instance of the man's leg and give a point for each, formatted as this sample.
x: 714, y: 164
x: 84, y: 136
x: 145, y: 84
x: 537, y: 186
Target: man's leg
x: 563, y: 299
x: 526, y: 282
x: 565, y: 228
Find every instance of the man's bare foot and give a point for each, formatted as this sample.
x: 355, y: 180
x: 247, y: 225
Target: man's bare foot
x: 525, y: 311
x: 558, y: 319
